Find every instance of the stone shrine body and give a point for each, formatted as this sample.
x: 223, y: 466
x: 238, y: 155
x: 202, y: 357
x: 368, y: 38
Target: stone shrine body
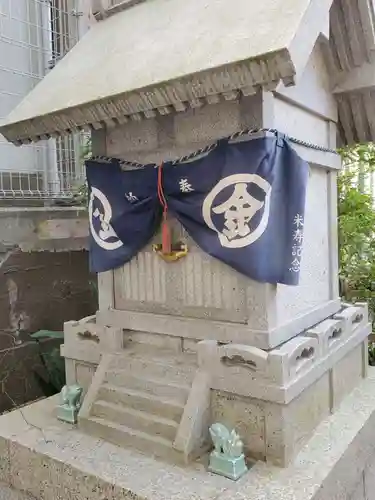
x: 176, y: 347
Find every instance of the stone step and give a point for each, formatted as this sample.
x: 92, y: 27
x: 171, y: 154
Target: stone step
x: 178, y: 370
x: 134, y: 419
x: 142, y: 401
x: 125, y: 437
x: 162, y: 388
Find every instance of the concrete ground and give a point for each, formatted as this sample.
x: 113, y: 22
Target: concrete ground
x: 7, y: 493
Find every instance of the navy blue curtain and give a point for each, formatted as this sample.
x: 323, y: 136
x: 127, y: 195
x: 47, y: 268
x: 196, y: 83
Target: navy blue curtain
x: 243, y: 203
x: 124, y: 212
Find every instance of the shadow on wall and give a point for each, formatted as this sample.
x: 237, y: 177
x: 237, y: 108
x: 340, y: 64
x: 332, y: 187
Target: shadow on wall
x: 38, y: 291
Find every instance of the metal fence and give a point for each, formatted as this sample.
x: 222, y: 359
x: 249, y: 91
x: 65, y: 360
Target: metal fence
x: 34, y: 35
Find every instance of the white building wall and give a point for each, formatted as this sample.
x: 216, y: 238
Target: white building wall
x: 32, y: 34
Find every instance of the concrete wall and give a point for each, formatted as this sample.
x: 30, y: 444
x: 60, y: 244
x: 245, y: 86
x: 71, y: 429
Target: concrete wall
x: 44, y: 281
x: 43, y: 228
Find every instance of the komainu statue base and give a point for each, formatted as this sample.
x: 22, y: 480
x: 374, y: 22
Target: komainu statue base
x: 70, y: 404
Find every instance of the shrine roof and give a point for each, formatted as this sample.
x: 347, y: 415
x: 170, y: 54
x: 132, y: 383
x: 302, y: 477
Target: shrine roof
x: 163, y: 55
x: 351, y: 64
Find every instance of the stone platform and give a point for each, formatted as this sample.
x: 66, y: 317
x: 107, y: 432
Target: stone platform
x: 53, y: 461
x: 148, y: 396
x: 8, y: 493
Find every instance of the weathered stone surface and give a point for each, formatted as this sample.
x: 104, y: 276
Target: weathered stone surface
x: 329, y: 467
x: 7, y: 493
x: 369, y: 478
x: 174, y: 430
x: 158, y: 341
x: 275, y: 398
x: 359, y: 492
x: 271, y: 431
x: 17, y: 367
x: 281, y: 374
x: 289, y: 427
x: 346, y: 375
x: 4, y: 461
x: 20, y: 225
x: 246, y: 416
x: 38, y: 290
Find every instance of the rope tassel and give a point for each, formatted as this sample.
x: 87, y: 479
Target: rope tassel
x: 166, y: 237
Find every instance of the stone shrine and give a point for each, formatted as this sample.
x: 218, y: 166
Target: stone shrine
x: 176, y: 347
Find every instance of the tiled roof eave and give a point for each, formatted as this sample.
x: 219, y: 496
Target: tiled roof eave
x: 356, y: 116
x: 193, y: 91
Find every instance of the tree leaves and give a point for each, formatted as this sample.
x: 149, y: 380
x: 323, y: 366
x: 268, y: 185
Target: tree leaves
x: 356, y: 224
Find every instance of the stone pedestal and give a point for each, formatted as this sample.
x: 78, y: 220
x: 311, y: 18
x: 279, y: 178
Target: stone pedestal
x: 232, y: 468
x: 67, y: 414
x: 276, y: 400
x: 58, y: 460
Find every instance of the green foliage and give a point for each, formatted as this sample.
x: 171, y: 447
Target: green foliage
x: 356, y: 221
x: 371, y: 354
x: 47, y: 334
x: 53, y: 380
x: 86, y: 149
x: 93, y: 284
x: 80, y: 197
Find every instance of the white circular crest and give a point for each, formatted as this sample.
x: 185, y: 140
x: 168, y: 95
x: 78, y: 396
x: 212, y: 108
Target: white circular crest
x: 238, y: 210
x: 106, y: 232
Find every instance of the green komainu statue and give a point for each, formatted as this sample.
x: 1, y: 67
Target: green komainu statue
x: 227, y: 458
x: 70, y: 403
x: 71, y: 396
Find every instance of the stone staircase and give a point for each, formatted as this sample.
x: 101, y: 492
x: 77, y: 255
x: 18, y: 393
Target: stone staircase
x: 137, y: 399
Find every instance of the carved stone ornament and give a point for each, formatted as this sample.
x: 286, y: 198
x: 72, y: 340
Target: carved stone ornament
x: 87, y: 335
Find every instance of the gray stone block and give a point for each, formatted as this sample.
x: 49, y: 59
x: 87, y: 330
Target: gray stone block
x: 178, y: 368
x: 346, y: 375
x: 246, y: 416
x: 7, y: 493
x: 132, y: 137
x: 138, y: 400
x: 4, y: 461
x: 208, y: 123
x: 157, y: 341
x: 271, y: 431
x: 121, y: 435
x: 359, y: 492
x: 289, y: 427
x: 369, y: 478
x: 162, y: 388
x: 152, y: 424
x: 35, y: 474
